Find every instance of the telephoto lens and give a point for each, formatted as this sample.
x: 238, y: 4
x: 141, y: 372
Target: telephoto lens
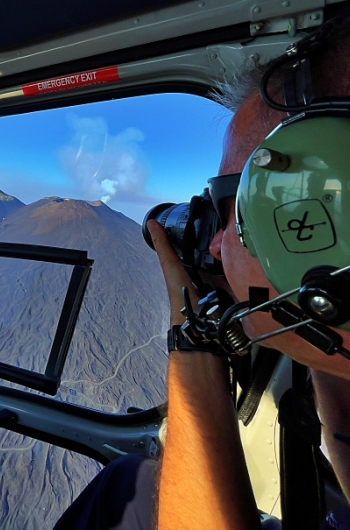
x: 190, y: 227
x: 173, y: 218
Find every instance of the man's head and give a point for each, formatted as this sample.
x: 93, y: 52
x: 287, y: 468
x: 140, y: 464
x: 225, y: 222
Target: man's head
x: 250, y: 125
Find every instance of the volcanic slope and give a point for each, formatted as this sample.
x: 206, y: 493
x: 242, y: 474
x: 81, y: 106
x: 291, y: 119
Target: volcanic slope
x: 8, y: 204
x: 117, y: 357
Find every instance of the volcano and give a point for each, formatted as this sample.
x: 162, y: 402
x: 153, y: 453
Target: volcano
x: 117, y: 357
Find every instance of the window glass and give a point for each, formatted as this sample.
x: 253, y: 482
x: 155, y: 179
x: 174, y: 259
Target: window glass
x: 39, y: 481
x: 84, y: 178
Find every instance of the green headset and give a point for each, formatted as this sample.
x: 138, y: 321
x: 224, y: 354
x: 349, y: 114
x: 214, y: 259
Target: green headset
x: 293, y: 201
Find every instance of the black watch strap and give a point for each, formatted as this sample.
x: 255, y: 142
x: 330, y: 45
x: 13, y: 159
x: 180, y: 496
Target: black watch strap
x: 177, y: 341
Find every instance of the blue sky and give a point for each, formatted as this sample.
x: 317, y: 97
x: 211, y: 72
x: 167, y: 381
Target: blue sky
x: 131, y: 153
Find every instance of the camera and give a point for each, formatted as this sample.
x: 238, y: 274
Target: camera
x: 190, y: 227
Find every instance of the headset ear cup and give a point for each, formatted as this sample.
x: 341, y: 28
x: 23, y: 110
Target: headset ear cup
x: 243, y: 232
x: 247, y: 241
x: 324, y: 297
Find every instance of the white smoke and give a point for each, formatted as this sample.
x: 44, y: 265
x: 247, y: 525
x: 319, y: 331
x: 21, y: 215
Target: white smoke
x: 104, y: 165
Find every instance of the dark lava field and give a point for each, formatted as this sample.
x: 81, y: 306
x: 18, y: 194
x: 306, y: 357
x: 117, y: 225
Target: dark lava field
x: 117, y: 357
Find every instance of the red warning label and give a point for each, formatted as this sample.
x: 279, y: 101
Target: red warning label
x: 67, y: 82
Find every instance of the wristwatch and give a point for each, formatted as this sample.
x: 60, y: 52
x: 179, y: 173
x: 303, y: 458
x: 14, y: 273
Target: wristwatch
x: 178, y: 341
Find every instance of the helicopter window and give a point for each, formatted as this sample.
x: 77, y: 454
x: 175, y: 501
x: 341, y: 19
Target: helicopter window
x: 83, y: 178
x: 39, y: 481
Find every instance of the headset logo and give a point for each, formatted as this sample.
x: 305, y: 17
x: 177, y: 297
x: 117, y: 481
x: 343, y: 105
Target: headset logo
x: 304, y: 226
x: 300, y: 226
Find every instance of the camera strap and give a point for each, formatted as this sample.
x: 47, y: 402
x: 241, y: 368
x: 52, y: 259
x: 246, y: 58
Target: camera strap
x: 260, y: 375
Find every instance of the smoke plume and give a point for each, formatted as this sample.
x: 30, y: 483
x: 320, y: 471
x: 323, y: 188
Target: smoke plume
x: 104, y: 165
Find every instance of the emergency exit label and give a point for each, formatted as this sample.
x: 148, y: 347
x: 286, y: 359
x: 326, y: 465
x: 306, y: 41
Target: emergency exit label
x: 68, y: 82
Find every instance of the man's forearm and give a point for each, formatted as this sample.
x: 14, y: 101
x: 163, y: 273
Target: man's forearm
x: 204, y: 481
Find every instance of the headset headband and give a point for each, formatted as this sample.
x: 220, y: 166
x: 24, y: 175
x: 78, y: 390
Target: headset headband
x: 298, y: 80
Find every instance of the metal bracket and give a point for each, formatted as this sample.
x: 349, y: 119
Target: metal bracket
x: 112, y: 452
x: 285, y: 24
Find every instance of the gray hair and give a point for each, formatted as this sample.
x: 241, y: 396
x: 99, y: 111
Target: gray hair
x: 244, y: 84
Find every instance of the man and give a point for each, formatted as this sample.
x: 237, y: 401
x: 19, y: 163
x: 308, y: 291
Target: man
x: 206, y: 485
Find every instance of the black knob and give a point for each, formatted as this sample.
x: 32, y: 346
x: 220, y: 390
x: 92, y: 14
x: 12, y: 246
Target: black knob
x: 325, y: 297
